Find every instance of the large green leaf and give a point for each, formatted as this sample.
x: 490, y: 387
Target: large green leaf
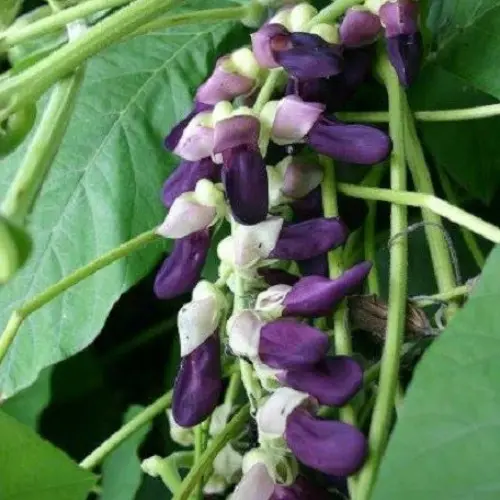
x: 33, y: 469
x: 122, y: 472
x: 462, y: 71
x: 445, y: 444
x: 103, y: 189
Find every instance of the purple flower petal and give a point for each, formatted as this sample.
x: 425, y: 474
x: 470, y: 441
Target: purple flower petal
x: 185, y: 177
x: 316, y: 296
x: 256, y: 484
x: 309, y: 239
x: 405, y: 54
x: 223, y: 85
x: 301, y: 489
x: 198, y: 385
x: 175, y: 135
x: 245, y: 179
x: 333, y: 381
x: 182, y: 268
x: 308, y: 56
x: 351, y: 143
x: 236, y: 131
x: 316, y: 266
x: 330, y: 447
x: 270, y: 36
x: 359, y: 27
x: 399, y: 17
x: 277, y: 276
x: 286, y: 344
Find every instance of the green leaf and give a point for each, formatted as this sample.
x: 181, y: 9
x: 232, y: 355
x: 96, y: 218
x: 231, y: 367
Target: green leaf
x: 32, y: 469
x: 27, y: 405
x: 104, y: 189
x: 446, y: 441
x: 463, y: 72
x: 122, y: 472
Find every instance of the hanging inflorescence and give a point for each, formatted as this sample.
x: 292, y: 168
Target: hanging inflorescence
x: 253, y: 162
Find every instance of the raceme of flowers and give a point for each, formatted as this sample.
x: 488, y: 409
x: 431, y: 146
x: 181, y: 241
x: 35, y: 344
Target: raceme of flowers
x: 258, y: 169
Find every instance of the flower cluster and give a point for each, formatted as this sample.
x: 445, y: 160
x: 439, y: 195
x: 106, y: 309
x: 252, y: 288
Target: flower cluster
x: 250, y: 159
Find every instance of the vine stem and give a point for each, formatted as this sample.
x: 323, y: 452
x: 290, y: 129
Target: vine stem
x: 439, y: 115
x: 430, y: 202
x: 332, y: 12
x: 102, y: 451
x: 438, y: 245
x: 20, y: 314
x: 33, y: 82
x: 341, y: 332
x: 16, y: 35
x: 267, y: 89
x: 456, y: 293
x: 384, y: 404
x: 232, y: 429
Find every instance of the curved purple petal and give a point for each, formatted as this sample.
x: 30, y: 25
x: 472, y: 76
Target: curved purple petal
x: 333, y: 381
x: 331, y: 447
x: 308, y: 56
x: 405, y: 54
x: 317, y: 266
x: 182, y: 268
x: 359, y: 27
x: 271, y: 35
x: 198, y: 385
x: 301, y: 489
x: 236, y: 131
x: 351, y: 143
x: 277, y: 276
x: 399, y: 17
x: 287, y: 344
x: 173, y: 138
x: 316, y: 296
x: 185, y: 177
x: 245, y: 179
x: 309, y: 239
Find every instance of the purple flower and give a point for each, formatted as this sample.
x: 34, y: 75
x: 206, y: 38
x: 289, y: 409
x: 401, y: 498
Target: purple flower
x: 182, y: 268
x: 256, y: 484
x: 244, y: 171
x: 185, y: 177
x: 301, y: 489
x: 309, y: 239
x: 281, y: 344
x: 333, y: 381
x: 359, y: 27
x: 404, y: 40
x: 303, y: 55
x: 296, y: 120
x: 175, y: 134
x: 351, y: 143
x: 224, y: 84
x: 314, y: 296
x: 198, y: 385
x: 331, y: 447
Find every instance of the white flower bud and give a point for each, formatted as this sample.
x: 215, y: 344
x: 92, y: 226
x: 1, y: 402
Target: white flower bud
x: 222, y: 111
x: 300, y: 16
x: 327, y: 32
x: 245, y: 63
x: 180, y: 435
x: 270, y: 302
x: 243, y: 330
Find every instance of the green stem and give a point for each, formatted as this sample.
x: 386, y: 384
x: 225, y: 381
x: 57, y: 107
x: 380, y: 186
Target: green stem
x: 32, y: 83
x: 214, y: 15
x: 233, y: 389
x: 469, y: 238
x: 16, y: 35
x: 438, y: 245
x: 20, y: 314
x: 43, y: 148
x: 166, y: 469
x: 232, y: 429
x: 332, y: 12
x: 100, y: 453
x: 200, y: 445
x: 430, y: 202
x: 457, y: 293
x: 267, y: 89
x: 342, y: 335
x: 379, y: 428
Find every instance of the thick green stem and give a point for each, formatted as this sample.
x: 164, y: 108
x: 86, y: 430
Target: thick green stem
x: 29, y: 178
x: 438, y: 245
x: 16, y: 35
x: 469, y: 238
x: 342, y: 334
x: 381, y: 419
x: 21, y: 313
x: 457, y: 293
x: 100, y: 453
x: 232, y: 429
x: 32, y: 83
x: 333, y: 11
x: 430, y: 202
x: 200, y: 445
x: 268, y: 88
